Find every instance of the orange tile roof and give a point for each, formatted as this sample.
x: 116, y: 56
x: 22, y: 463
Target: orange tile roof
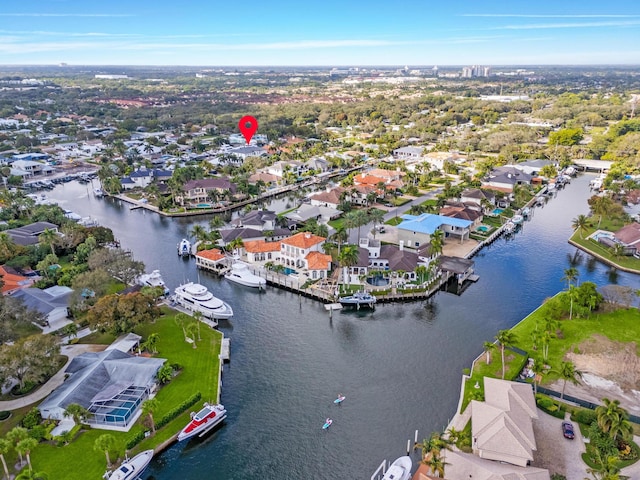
x: 318, y: 261
x: 12, y: 281
x: 214, y: 254
x: 303, y: 240
x: 261, y: 246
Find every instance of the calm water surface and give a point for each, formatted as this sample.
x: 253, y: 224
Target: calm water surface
x: 399, y: 366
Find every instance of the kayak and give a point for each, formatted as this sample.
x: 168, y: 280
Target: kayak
x: 339, y: 399
x: 327, y: 424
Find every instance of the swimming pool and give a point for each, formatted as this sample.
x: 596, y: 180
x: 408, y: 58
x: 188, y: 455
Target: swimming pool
x: 378, y: 281
x: 498, y: 211
x: 482, y: 229
x: 289, y: 271
x: 203, y: 205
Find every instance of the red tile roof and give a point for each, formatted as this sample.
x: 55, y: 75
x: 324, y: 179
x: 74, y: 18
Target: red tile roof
x: 13, y: 281
x: 261, y: 246
x: 318, y: 261
x: 214, y: 254
x: 303, y: 240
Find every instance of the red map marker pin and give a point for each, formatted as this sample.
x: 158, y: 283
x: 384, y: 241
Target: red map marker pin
x: 248, y: 125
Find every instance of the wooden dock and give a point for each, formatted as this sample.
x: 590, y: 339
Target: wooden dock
x: 225, y: 354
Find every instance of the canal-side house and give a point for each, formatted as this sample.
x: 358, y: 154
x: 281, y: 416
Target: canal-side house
x: 306, y: 212
x: 12, y: 280
x: 482, y: 198
x: 200, y: 191
x: 331, y: 197
x: 261, y: 251
x: 471, y: 212
x: 111, y: 385
x: 259, y: 219
x: 382, y: 180
x: 629, y: 237
x: 212, y: 259
x: 503, y: 179
x: 28, y: 234
x: 415, y: 231
x: 387, y: 259
x: 50, y: 304
x: 297, y: 252
x: 143, y: 177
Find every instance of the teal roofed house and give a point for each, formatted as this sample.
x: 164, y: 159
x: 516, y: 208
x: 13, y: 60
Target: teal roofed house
x: 415, y: 231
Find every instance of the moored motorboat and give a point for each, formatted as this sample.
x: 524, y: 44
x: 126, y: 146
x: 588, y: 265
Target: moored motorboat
x: 153, y: 279
x: 509, y: 227
x: 517, y: 219
x: 358, y: 300
x: 526, y: 211
x: 196, y: 298
x: 241, y: 274
x: 203, y: 421
x: 184, y: 248
x: 131, y: 469
x: 400, y: 469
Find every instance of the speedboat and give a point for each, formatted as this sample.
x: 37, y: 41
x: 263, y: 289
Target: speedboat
x: 517, y: 219
x: 98, y: 192
x: 509, y: 227
x: 358, y: 299
x: 132, y: 468
x: 196, y: 298
x: 327, y: 423
x: 153, y: 279
x: 184, y: 248
x: 340, y: 399
x: 203, y: 421
x: 241, y: 274
x: 400, y: 469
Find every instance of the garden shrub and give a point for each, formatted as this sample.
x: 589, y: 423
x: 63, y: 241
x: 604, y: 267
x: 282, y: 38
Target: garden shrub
x: 32, y: 419
x: 584, y: 416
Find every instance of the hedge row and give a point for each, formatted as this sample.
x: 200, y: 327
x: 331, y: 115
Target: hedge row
x: 170, y: 415
x: 548, y: 405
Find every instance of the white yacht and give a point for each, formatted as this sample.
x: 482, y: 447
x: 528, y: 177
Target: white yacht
x: 131, y: 469
x: 400, y: 469
x: 184, y: 248
x: 241, y: 274
x: 196, y: 298
x: 153, y: 279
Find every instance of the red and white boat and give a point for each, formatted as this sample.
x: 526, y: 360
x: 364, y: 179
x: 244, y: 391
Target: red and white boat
x: 203, y: 421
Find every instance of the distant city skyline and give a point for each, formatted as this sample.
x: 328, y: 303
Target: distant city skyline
x: 331, y: 33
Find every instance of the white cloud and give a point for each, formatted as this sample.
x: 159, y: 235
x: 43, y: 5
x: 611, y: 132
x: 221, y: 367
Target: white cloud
x: 537, y: 26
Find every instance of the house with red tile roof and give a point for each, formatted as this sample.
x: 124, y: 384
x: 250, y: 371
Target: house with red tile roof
x: 295, y: 252
x: 212, y: 259
x: 391, y: 179
x: 262, y: 251
x: 12, y: 280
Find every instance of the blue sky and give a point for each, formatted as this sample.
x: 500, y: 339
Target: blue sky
x: 326, y: 32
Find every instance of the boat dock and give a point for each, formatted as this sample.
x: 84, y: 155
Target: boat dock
x: 224, y: 349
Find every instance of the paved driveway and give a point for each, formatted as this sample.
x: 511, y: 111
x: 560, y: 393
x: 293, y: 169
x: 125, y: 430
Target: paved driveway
x: 556, y: 453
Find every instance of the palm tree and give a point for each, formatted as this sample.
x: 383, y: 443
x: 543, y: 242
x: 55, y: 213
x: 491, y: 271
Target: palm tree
x: 104, y: 443
x: 192, y: 330
x: 199, y: 233
x: 235, y: 244
x: 617, y: 250
x: 216, y: 222
x: 488, y: 348
x: 538, y: 370
x: 48, y: 237
x: 5, y: 447
x: 377, y: 217
x: 349, y: 257
x: 436, y: 465
x: 569, y: 372
x: 148, y: 407
x: 570, y: 276
x: 77, y: 412
x: 611, y: 416
x: 506, y: 338
x: 340, y: 236
x: 580, y: 224
x: 152, y: 342
x: 6, y: 245
x: 31, y: 475
x: 197, y: 316
x: 437, y: 242
x: 421, y: 272
x: 25, y: 446
x: 15, y: 436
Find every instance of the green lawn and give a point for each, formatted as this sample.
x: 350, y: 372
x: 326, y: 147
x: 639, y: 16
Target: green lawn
x: 621, y: 325
x: 200, y: 371
x: 599, y: 249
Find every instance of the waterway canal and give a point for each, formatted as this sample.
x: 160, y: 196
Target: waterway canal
x: 399, y: 366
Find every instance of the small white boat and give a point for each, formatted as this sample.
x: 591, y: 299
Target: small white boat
x: 358, y: 300
x: 203, y: 421
x: 517, y: 219
x: 132, y: 468
x: 98, y: 192
x: 327, y: 423
x: 184, y: 248
x: 196, y: 298
x: 526, y: 211
x: 241, y: 274
x: 571, y: 171
x: 509, y: 227
x: 153, y: 279
x: 540, y: 201
x: 400, y: 469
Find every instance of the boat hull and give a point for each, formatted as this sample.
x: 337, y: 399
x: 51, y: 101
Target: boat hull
x: 199, y: 427
x: 133, y: 468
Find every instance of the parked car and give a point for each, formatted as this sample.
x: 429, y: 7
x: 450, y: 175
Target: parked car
x: 567, y: 430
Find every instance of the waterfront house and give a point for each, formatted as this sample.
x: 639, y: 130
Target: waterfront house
x: 281, y: 168
x: 331, y: 197
x: 245, y: 233
x: 318, y: 164
x: 468, y: 466
x: 31, y: 168
x: 502, y: 425
x: 391, y: 179
x: 212, y: 259
x: 111, y: 385
x: 460, y: 268
x: 143, y: 177
x: 415, y: 231
x: 479, y: 197
x: 471, y: 212
x: 268, y: 179
x: 199, y: 191
x: 532, y: 167
x: 503, y: 179
x: 629, y: 237
x: 294, y: 251
x: 28, y: 234
x: 408, y: 153
x: 258, y: 219
x: 262, y: 251
x: 306, y: 212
